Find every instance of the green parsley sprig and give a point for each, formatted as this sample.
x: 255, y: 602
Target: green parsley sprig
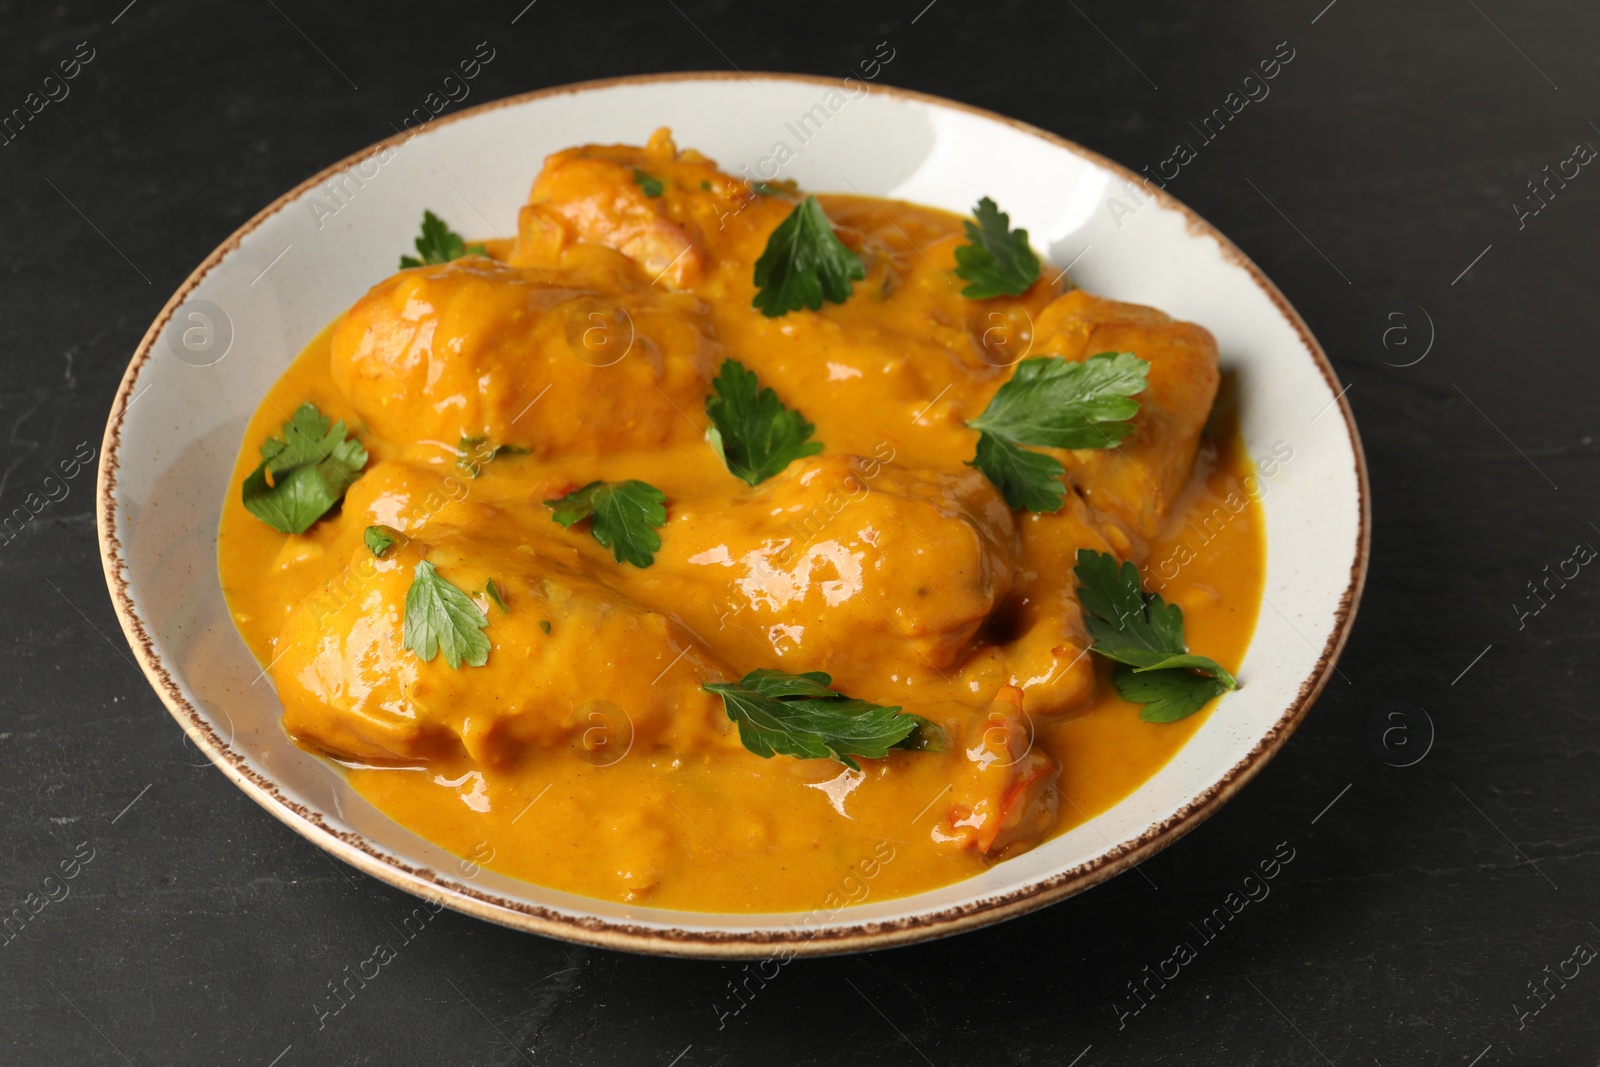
x: 799, y: 715
x: 439, y: 244
x: 1054, y: 403
x: 310, y: 468
x: 804, y: 264
x: 1027, y: 479
x: 1143, y: 634
x: 752, y: 431
x: 441, y: 618
x: 997, y: 260
x: 624, y: 514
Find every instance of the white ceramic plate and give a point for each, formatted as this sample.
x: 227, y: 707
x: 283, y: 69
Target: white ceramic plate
x: 244, y: 314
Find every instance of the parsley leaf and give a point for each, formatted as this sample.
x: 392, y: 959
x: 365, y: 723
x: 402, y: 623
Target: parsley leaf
x: 439, y: 244
x: 1167, y: 695
x: 441, y: 618
x: 1055, y: 403
x: 1127, y: 624
x: 804, y: 263
x: 1026, y: 479
x: 652, y: 188
x: 1144, y: 635
x: 311, y: 467
x: 798, y: 715
x: 1050, y: 401
x: 379, y: 538
x: 781, y: 684
x: 997, y: 261
x: 752, y: 431
x: 492, y: 591
x: 623, y: 512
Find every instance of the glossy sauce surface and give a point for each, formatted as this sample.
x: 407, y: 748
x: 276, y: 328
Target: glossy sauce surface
x: 583, y: 755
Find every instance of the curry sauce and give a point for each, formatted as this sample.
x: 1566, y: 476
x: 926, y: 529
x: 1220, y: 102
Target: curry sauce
x: 584, y: 753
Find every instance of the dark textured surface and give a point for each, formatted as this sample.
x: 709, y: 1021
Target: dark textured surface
x: 1416, y: 911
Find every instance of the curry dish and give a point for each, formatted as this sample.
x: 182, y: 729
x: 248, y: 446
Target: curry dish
x: 529, y: 481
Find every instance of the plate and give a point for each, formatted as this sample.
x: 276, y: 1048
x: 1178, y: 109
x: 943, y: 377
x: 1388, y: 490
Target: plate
x: 235, y: 324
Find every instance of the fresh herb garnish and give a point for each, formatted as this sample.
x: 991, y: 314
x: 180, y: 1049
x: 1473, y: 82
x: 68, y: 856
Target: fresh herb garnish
x: 998, y: 261
x: 311, y: 467
x: 1054, y: 403
x: 804, y: 263
x: 441, y: 618
x: 1027, y: 479
x: 623, y: 512
x: 1168, y: 695
x: 439, y: 244
x: 798, y: 715
x: 652, y: 187
x: 492, y: 591
x: 544, y: 624
x: 471, y: 454
x: 379, y: 538
x: 1143, y: 634
x: 752, y: 431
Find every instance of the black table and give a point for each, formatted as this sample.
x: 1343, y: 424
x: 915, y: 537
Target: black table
x: 1430, y: 913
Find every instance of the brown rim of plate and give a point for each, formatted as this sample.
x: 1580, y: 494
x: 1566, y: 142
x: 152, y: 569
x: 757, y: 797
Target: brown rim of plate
x: 793, y: 941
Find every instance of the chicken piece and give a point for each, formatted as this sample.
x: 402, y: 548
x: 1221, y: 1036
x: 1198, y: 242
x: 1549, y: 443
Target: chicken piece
x: 1005, y: 790
x: 469, y: 349
x: 1117, y: 497
x: 866, y: 570
x: 680, y: 219
x: 351, y: 687
x: 1038, y: 640
x: 1135, y: 483
x: 602, y: 194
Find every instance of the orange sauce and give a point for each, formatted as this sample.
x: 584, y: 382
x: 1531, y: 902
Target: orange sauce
x: 583, y: 755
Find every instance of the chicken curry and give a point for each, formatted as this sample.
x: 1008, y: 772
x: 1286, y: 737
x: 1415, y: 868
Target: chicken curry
x: 706, y: 540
